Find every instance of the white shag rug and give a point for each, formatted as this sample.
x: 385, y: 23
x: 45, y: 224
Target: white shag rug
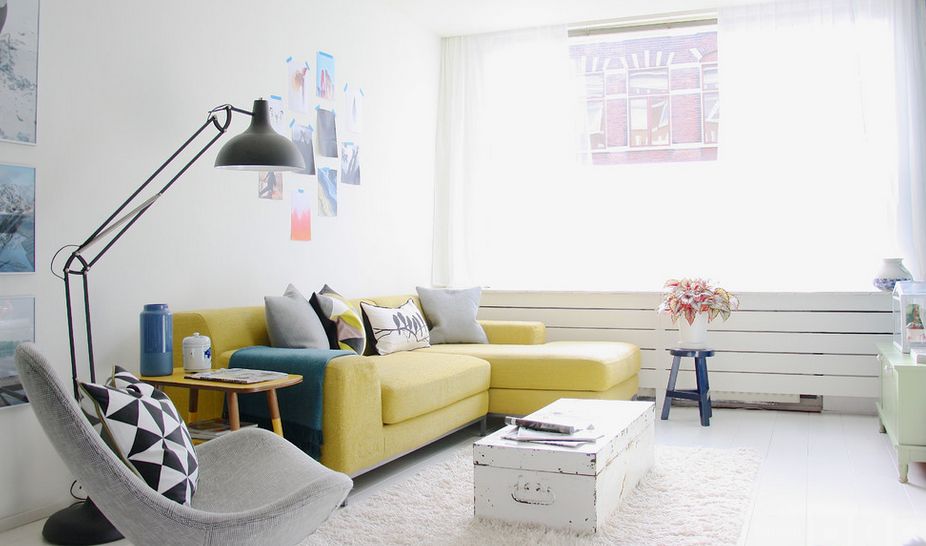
x: 691, y: 496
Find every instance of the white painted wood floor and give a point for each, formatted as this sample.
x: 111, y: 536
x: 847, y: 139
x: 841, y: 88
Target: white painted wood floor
x: 826, y: 479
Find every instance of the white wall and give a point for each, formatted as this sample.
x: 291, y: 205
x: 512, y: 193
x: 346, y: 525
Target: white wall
x: 121, y: 85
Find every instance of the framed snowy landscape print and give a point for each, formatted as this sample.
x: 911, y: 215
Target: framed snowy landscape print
x: 19, y: 55
x: 17, y: 325
x: 17, y: 219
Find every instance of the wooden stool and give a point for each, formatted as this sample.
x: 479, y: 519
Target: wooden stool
x: 702, y: 394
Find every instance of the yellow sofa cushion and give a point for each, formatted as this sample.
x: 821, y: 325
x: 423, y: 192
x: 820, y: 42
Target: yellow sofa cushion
x: 415, y: 383
x: 514, y: 332
x: 525, y: 401
x: 558, y: 365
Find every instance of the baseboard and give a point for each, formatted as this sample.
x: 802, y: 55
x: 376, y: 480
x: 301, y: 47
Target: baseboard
x: 27, y: 517
x: 849, y: 404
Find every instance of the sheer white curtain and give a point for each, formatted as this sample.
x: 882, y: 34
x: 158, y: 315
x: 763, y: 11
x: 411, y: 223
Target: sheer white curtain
x: 807, y: 139
x: 823, y: 114
x: 503, y: 141
x: 908, y: 19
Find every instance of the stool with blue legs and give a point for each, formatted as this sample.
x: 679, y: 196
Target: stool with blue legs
x: 702, y: 394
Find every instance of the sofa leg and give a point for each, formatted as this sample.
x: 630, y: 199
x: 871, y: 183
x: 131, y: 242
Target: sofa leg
x: 482, y: 426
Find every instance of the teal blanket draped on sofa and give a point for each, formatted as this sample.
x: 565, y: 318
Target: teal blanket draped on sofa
x: 300, y: 405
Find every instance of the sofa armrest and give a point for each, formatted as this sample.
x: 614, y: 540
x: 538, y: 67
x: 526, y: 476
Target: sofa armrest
x: 514, y: 332
x: 352, y: 415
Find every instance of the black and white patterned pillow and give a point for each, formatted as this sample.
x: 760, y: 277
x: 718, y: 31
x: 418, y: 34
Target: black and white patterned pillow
x: 143, y: 427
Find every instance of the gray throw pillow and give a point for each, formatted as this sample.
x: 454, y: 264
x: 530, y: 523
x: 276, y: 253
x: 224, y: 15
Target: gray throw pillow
x: 292, y: 323
x: 452, y: 314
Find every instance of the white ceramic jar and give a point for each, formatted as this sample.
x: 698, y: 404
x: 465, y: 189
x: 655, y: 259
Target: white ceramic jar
x: 892, y: 271
x: 197, y: 353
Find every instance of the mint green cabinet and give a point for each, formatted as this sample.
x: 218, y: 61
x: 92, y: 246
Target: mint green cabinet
x: 902, y: 408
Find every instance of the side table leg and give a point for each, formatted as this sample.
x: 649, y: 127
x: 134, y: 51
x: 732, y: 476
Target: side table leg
x: 274, y: 412
x: 234, y: 421
x: 670, y: 388
x: 194, y: 405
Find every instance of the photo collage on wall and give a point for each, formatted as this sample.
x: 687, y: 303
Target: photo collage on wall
x: 308, y: 114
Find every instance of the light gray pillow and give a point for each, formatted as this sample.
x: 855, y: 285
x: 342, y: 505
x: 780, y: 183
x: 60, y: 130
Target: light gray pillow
x: 452, y: 314
x: 292, y: 323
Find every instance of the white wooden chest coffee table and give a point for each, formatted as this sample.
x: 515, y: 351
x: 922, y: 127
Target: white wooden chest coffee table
x: 573, y: 488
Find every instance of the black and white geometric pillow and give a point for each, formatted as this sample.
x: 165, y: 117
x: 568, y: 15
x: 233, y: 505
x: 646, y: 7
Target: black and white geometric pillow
x: 143, y: 427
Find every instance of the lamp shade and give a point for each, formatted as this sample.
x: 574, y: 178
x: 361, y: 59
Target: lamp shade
x: 260, y: 148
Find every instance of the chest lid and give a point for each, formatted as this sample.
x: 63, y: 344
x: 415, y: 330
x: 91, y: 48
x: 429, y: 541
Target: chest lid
x: 618, y: 422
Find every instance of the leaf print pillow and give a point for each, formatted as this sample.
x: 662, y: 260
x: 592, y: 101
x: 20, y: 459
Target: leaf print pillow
x: 397, y: 329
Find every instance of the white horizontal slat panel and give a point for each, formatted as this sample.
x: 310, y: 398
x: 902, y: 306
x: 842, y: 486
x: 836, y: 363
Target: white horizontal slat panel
x: 749, y: 301
x: 641, y: 338
x: 587, y: 318
x: 766, y: 342
x: 776, y: 342
x: 796, y: 321
x: 770, y: 383
x: 754, y: 321
x: 814, y: 301
x: 844, y: 365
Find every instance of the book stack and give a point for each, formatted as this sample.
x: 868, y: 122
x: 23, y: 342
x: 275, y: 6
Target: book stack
x: 236, y: 375
x: 209, y: 429
x: 558, y: 431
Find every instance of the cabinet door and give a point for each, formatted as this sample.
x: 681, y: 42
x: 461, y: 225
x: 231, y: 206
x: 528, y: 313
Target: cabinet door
x: 889, y: 395
x: 911, y: 406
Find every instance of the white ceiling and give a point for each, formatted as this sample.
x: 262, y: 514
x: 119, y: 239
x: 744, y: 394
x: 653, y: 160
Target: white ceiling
x: 457, y: 17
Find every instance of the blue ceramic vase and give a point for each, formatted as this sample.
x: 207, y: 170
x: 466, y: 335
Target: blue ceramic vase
x: 157, y: 340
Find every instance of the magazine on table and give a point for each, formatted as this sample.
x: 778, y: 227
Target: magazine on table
x: 236, y: 375
x: 558, y: 430
x: 563, y: 424
x: 553, y: 438
x: 212, y: 428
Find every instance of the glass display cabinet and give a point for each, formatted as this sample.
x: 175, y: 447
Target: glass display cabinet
x: 908, y: 307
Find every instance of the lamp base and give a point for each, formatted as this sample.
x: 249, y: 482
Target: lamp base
x: 80, y: 524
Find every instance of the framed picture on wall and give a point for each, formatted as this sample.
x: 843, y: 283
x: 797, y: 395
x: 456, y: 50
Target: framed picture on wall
x: 19, y: 68
x: 17, y: 325
x: 17, y: 219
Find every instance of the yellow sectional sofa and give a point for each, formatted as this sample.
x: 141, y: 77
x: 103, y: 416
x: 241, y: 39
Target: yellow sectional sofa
x: 377, y: 408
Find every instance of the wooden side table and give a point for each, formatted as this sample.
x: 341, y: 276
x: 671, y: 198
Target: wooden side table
x: 702, y: 394
x: 231, y: 390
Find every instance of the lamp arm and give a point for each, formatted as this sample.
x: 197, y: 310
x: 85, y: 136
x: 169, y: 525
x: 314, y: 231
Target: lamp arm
x: 78, y: 265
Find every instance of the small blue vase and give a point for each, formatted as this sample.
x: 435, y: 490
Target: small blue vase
x: 157, y: 340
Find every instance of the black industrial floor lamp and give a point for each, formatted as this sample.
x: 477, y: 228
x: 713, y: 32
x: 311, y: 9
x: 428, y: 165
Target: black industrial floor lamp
x: 259, y: 148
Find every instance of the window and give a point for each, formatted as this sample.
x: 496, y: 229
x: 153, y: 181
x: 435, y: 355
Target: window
x: 651, y: 95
